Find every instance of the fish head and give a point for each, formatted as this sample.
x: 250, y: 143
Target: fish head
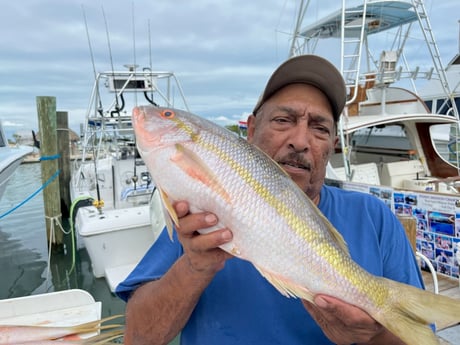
x: 156, y: 128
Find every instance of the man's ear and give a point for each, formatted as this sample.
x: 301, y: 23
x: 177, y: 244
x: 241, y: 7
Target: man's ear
x: 251, y: 127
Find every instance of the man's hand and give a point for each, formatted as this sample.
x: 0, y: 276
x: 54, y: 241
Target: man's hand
x: 202, y: 251
x: 344, y: 323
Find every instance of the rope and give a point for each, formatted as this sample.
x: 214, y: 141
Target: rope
x: 50, y: 158
x: 51, y: 179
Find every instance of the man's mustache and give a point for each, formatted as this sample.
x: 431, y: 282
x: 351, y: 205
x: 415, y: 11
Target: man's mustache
x: 295, y: 159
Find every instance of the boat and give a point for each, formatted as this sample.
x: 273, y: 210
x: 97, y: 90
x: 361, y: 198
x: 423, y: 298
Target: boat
x: 386, y: 131
x: 111, y: 188
x: 394, y: 143
x: 57, y: 308
x: 437, y: 101
x: 10, y: 159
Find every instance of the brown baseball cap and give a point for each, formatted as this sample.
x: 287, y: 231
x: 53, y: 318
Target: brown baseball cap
x: 308, y: 69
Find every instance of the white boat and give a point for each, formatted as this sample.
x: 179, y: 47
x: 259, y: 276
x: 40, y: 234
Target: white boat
x: 111, y: 188
x: 10, y: 159
x: 60, y: 308
x: 386, y: 131
x: 394, y: 143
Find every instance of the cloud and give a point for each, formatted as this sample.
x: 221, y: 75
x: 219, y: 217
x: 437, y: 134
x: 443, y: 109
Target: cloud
x: 221, y: 51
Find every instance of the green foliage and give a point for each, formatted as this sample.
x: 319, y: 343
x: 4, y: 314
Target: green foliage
x: 233, y: 128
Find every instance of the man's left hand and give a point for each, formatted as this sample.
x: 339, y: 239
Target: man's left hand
x: 344, y: 323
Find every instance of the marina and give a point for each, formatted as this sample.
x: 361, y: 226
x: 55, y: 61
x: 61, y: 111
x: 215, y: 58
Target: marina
x: 115, y: 208
x: 114, y: 202
x: 27, y: 266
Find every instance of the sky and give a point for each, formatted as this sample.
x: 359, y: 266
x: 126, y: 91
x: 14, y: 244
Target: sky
x: 222, y: 52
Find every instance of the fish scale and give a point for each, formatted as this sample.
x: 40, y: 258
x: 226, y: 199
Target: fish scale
x: 275, y: 225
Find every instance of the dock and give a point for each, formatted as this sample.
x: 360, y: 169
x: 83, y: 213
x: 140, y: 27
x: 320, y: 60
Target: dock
x: 448, y: 334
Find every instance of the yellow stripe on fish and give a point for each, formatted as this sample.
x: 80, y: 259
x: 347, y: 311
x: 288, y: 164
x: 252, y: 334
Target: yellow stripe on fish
x: 297, y: 224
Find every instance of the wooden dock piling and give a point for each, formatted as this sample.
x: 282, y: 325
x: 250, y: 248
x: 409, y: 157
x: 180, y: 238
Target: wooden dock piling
x: 63, y: 144
x: 46, y: 110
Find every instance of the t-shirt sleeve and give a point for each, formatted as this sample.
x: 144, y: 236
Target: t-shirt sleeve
x: 400, y: 262
x: 155, y: 263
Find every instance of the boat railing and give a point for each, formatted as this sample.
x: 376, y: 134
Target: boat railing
x: 136, y: 82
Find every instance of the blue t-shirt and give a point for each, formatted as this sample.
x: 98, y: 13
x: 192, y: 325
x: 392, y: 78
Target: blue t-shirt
x: 241, y: 307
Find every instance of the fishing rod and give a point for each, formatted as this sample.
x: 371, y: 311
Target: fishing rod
x: 135, y: 177
x: 117, y: 106
x: 99, y: 203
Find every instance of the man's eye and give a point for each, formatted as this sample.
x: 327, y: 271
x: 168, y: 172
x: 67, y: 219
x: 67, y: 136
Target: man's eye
x: 282, y: 120
x: 322, y: 129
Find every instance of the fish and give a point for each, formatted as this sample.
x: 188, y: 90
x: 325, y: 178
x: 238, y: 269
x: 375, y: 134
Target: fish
x: 23, y: 334
x: 100, y: 339
x: 275, y: 225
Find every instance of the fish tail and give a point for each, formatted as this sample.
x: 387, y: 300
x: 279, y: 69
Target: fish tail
x: 410, y: 311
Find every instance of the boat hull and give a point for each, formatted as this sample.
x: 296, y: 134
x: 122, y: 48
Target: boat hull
x: 112, y: 234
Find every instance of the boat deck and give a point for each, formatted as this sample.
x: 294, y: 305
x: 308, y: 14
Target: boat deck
x: 448, y: 333
x: 447, y: 286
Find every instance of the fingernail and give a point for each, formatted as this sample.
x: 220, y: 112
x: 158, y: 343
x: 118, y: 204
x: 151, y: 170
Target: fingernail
x: 181, y: 206
x: 321, y: 302
x: 210, y: 219
x: 226, y: 235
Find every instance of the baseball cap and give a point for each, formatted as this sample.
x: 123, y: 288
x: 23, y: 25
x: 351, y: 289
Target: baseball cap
x: 308, y: 69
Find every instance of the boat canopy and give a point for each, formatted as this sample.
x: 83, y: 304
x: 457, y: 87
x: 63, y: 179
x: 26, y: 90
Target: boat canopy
x: 380, y: 15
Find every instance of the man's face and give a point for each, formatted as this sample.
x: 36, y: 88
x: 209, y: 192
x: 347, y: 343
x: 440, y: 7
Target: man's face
x: 296, y: 128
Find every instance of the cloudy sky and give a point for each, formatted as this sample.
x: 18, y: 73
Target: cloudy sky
x: 221, y: 51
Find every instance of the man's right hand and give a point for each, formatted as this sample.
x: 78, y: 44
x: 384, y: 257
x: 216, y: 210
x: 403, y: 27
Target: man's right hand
x: 201, y: 250
x: 159, y: 309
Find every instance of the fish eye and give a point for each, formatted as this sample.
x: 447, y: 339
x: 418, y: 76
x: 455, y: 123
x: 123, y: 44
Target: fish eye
x: 167, y: 114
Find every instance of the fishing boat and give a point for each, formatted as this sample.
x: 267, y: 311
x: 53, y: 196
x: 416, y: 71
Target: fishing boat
x: 111, y: 189
x: 58, y: 308
x: 435, y: 99
x: 386, y: 131
x: 10, y: 159
x: 394, y: 143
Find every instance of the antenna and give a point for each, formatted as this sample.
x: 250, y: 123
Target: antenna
x: 150, y: 59
x: 91, y: 53
x: 117, y: 107
x: 134, y: 46
x: 89, y: 41
x: 108, y: 38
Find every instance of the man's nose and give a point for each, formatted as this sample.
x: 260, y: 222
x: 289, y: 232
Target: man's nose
x: 299, y: 138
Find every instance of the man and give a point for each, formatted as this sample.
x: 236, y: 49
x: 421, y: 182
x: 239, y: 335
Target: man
x: 193, y: 287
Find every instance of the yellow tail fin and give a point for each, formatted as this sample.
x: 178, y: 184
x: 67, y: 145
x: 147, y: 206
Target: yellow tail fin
x: 409, y: 312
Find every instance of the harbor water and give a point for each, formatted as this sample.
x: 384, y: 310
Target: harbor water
x: 27, y: 268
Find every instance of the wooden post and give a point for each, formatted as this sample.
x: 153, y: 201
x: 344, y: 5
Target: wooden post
x: 410, y: 226
x: 46, y: 110
x: 64, y: 161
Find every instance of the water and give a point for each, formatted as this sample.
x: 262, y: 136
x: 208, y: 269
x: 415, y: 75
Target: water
x: 24, y: 265
x: 24, y: 253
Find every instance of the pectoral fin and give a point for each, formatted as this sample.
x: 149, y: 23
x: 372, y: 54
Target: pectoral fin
x: 169, y: 213
x: 197, y: 169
